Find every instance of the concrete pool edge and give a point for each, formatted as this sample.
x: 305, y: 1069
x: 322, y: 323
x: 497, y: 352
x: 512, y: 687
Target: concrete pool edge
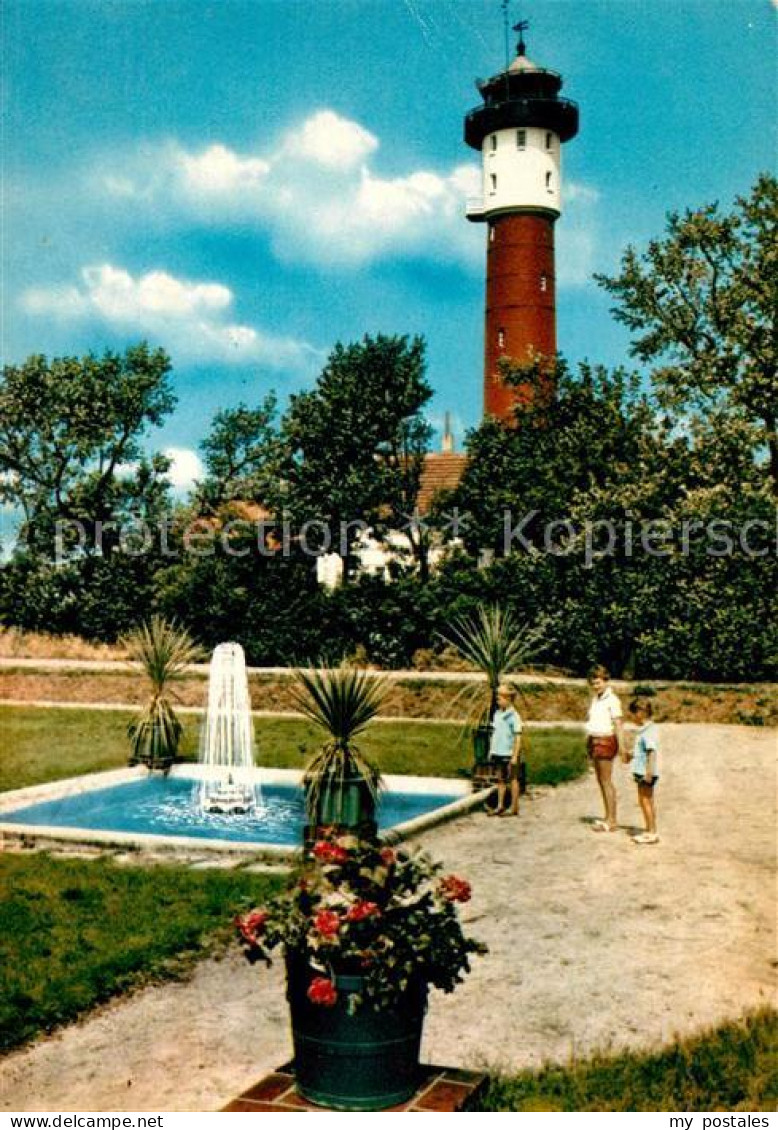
x: 54, y: 835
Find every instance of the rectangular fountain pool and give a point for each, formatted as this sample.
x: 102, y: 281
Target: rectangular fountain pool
x: 161, y: 812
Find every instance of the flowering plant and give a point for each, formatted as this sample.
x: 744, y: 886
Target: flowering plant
x: 364, y: 908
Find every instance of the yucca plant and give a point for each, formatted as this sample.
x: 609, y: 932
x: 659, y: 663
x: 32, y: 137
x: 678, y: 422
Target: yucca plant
x: 341, y: 782
x: 164, y: 650
x: 494, y: 642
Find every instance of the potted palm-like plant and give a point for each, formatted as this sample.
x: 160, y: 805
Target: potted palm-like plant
x: 341, y: 783
x: 493, y: 642
x: 164, y: 651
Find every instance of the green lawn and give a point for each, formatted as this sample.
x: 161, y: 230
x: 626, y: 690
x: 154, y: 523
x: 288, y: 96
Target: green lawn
x: 74, y: 933
x: 729, y: 1068
x: 43, y: 744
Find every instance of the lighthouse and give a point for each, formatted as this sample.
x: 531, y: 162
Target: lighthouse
x: 519, y: 129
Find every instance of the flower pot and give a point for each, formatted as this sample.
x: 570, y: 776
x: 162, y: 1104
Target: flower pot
x: 345, y: 804
x: 482, y: 736
x: 365, y: 1061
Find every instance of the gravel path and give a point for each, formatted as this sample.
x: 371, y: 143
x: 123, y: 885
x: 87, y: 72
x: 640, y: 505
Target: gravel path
x: 594, y: 942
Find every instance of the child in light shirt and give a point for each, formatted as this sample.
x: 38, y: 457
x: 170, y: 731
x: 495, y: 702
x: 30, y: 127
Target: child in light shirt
x: 645, y: 766
x: 505, y: 750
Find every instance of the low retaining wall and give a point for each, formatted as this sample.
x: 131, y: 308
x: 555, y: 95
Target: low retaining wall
x: 420, y: 695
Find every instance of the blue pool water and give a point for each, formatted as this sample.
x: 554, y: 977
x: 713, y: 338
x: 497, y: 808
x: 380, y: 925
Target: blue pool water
x: 163, y: 807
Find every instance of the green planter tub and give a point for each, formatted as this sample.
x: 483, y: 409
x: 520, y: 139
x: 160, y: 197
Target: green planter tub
x: 345, y: 805
x: 367, y: 1061
x: 482, y: 736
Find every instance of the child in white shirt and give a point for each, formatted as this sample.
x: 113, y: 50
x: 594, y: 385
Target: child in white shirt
x: 604, y: 741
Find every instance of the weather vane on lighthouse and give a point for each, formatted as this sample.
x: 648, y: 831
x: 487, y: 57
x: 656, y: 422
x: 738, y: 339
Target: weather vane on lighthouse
x: 520, y: 28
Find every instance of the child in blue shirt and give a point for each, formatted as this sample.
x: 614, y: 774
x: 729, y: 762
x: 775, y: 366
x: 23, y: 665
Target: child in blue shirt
x: 505, y: 749
x: 645, y: 766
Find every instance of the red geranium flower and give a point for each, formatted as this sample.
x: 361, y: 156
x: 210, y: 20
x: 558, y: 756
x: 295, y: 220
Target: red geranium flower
x: 322, y: 991
x: 329, y: 853
x: 327, y: 922
x: 388, y: 856
x: 252, y: 924
x: 362, y: 909
x: 454, y: 889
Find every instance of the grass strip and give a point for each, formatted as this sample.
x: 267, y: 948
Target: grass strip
x: 74, y: 933
x: 47, y: 744
x: 729, y: 1068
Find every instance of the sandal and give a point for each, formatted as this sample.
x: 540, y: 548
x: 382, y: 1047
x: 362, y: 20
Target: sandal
x: 495, y: 811
x: 646, y: 838
x: 601, y: 826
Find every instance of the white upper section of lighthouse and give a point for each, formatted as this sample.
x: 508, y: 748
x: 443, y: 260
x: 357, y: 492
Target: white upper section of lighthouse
x: 519, y: 129
x: 521, y: 172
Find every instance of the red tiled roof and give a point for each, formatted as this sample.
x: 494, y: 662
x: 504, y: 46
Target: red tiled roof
x: 442, y: 471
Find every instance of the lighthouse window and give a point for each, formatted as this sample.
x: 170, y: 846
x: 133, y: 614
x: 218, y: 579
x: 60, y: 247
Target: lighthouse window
x: 493, y: 179
x: 549, y: 185
x: 491, y: 233
x: 494, y: 142
x: 501, y: 339
x: 521, y: 139
x: 543, y: 283
x: 549, y: 141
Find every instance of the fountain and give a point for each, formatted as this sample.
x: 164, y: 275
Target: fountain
x: 213, y: 806
x: 228, y: 785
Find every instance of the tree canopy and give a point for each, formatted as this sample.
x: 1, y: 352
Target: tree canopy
x: 702, y: 304
x: 70, y: 438
x: 241, y: 455
x: 353, y: 446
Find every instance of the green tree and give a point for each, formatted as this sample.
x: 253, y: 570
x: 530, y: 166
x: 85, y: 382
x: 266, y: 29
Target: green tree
x: 241, y: 455
x: 353, y: 447
x: 702, y: 305
x: 579, y: 433
x: 269, y: 602
x: 624, y: 531
x: 70, y: 432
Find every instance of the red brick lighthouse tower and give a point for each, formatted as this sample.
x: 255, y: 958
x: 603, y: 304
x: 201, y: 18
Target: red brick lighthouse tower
x: 519, y: 130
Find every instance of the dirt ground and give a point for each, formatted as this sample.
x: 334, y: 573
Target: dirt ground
x: 594, y: 943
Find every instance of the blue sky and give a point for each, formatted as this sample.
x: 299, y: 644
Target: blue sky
x: 248, y: 181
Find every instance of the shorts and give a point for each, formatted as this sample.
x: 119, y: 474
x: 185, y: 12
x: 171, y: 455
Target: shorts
x: 639, y: 780
x: 603, y: 749
x: 507, y: 770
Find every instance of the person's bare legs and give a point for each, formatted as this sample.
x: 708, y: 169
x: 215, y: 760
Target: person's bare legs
x: 646, y: 800
x: 500, y: 805
x: 604, y: 770
x: 515, y: 791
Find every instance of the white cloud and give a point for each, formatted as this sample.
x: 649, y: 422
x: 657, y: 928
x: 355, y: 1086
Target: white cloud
x: 185, y: 469
x: 316, y: 191
x: 189, y: 318
x: 330, y: 140
x: 66, y: 302
x: 217, y: 170
x: 118, y: 296
x: 584, y: 193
